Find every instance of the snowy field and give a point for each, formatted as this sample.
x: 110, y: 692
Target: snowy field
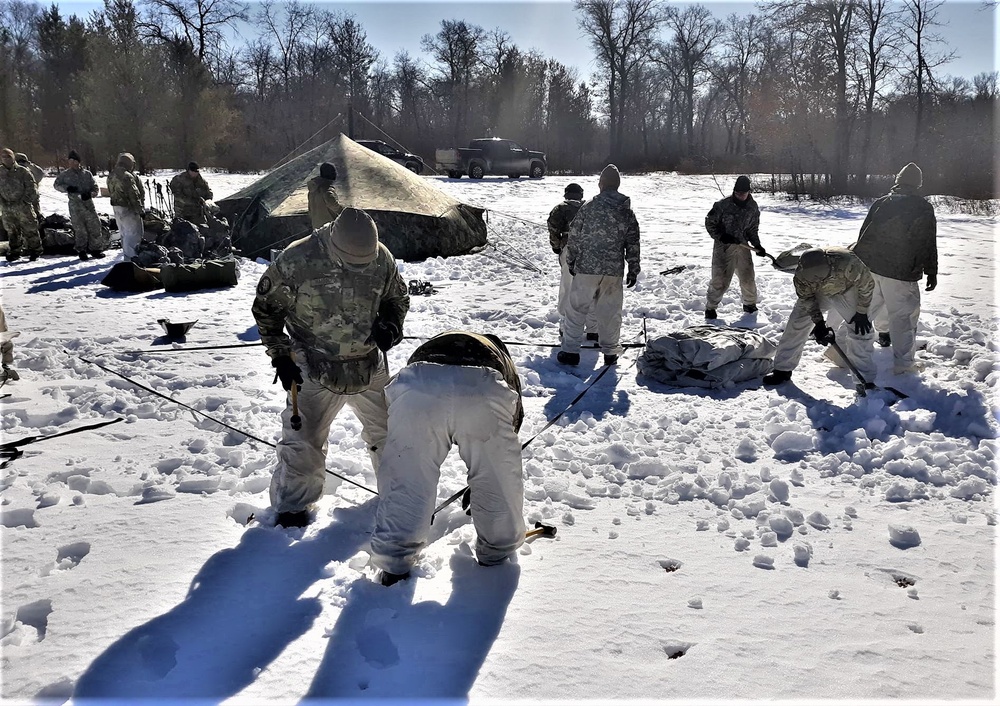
x: 736, y: 544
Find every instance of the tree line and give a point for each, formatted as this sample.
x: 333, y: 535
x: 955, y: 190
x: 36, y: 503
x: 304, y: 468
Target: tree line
x: 829, y: 92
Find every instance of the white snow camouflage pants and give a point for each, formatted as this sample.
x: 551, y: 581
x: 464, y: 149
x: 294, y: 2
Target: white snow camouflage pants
x: 726, y: 261
x: 839, y: 309
x: 431, y: 407
x: 895, y: 309
x: 130, y: 228
x: 300, y: 473
x: 565, y: 282
x: 600, y: 296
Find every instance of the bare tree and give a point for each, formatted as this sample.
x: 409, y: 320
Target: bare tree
x: 622, y: 33
x: 877, y: 56
x: 919, y: 19
x: 201, y: 22
x: 456, y: 49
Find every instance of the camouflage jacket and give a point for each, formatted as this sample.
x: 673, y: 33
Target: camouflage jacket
x: 327, y: 309
x: 190, y: 194
x: 473, y: 349
x: 732, y: 221
x: 604, y: 231
x: 846, y: 271
x: 560, y: 218
x: 323, y: 203
x: 81, y: 179
x: 899, y: 236
x: 17, y: 187
x: 125, y: 189
x: 36, y: 172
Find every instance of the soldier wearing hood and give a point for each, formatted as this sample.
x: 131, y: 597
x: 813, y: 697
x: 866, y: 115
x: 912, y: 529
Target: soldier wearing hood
x: 560, y: 218
x: 458, y: 388
x: 836, y: 281
x: 603, y: 237
x: 18, y: 196
x: 325, y: 308
x: 898, y: 242
x: 36, y: 173
x: 322, y: 197
x: 78, y: 183
x: 733, y: 223
x: 127, y: 199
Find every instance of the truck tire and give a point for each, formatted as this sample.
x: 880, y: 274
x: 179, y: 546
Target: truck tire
x: 476, y: 171
x: 537, y: 170
x: 413, y: 167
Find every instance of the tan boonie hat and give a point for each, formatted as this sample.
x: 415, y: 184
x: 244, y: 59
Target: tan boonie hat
x: 354, y: 237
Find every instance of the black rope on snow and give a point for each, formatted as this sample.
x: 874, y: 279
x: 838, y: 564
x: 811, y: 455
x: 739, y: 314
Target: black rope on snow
x: 210, y: 417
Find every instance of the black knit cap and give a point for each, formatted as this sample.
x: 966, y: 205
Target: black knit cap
x: 192, y: 166
x: 742, y: 184
x: 328, y: 171
x: 73, y: 155
x: 573, y: 188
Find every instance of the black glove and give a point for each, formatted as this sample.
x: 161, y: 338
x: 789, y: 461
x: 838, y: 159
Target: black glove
x: 385, y: 334
x: 467, y: 501
x: 85, y: 196
x: 862, y: 326
x: 71, y: 189
x: 931, y: 282
x: 557, y: 251
x: 761, y: 252
x: 631, y: 277
x: 287, y: 371
x: 572, y: 270
x: 822, y: 333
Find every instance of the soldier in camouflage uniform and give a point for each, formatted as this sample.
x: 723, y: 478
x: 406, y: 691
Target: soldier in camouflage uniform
x: 190, y: 192
x: 837, y: 281
x: 605, y: 229
x: 36, y: 173
x: 18, y: 195
x: 457, y: 388
x: 323, y: 203
x: 127, y: 199
x: 559, y: 221
x: 79, y: 184
x: 7, y: 372
x: 733, y: 223
x: 333, y: 299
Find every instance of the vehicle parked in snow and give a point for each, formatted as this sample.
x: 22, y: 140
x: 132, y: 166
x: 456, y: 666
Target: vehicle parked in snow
x: 490, y: 155
x: 411, y: 161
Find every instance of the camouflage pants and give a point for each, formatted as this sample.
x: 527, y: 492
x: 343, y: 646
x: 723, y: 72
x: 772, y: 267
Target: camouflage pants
x: 727, y: 260
x: 6, y: 348
x: 21, y: 225
x: 86, y: 225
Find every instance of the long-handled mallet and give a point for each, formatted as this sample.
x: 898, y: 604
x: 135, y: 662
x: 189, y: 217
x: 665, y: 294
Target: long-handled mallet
x: 296, y: 420
x: 861, y: 383
x: 541, y: 529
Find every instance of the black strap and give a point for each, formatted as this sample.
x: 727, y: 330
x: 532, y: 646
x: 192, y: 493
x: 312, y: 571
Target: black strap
x: 33, y: 439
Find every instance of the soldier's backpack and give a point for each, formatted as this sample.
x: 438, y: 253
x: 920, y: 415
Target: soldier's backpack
x: 186, y: 237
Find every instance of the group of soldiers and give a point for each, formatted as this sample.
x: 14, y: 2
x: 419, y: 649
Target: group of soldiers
x: 22, y: 218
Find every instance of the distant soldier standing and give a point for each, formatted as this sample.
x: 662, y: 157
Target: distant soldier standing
x: 334, y: 300
x: 604, y: 232
x: 79, y: 184
x: 898, y: 242
x: 733, y: 223
x: 127, y: 199
x: 323, y: 203
x: 190, y: 192
x: 559, y: 221
x: 36, y: 173
x: 18, y: 196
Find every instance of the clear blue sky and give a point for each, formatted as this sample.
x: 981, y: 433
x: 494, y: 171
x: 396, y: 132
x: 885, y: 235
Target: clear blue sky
x: 550, y: 26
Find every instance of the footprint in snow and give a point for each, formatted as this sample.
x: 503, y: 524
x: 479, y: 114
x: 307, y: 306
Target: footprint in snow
x: 68, y: 557
x: 377, y: 648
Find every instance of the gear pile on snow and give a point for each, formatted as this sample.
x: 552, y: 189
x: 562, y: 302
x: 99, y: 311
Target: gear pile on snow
x: 707, y: 356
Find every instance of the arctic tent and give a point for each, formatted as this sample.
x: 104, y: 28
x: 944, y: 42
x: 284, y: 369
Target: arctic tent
x: 415, y: 219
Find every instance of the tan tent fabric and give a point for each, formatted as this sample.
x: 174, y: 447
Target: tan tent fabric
x: 416, y: 220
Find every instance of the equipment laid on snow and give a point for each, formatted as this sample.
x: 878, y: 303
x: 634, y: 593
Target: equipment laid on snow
x: 861, y: 385
x: 707, y: 356
x: 10, y: 450
x: 176, y: 330
x: 788, y: 260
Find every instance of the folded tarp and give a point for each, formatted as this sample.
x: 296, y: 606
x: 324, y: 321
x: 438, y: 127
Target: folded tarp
x: 707, y: 356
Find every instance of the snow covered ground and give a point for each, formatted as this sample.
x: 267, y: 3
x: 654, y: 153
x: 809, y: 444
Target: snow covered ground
x: 736, y: 544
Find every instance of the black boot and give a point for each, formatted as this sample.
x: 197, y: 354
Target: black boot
x: 593, y: 336
x: 387, y: 579
x: 289, y: 520
x: 12, y: 257
x: 776, y: 377
x: 568, y: 358
x: 610, y: 359
x: 750, y: 308
x: 97, y: 254
x: 711, y: 314
x: 884, y: 340
x: 83, y: 257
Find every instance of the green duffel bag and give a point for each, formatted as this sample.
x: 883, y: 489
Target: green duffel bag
x: 202, y: 275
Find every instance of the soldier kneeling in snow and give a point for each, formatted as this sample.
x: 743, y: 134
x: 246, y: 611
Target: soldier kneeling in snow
x: 457, y: 388
x: 837, y: 281
x: 338, y: 294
